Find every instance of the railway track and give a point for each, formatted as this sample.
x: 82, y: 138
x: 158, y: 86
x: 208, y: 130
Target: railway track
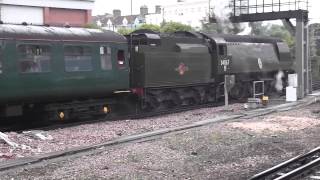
x: 43, y: 125
x: 77, y: 151
x: 306, y: 166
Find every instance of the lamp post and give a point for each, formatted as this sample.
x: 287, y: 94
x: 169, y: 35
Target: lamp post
x: 209, y: 8
x: 163, y: 16
x: 131, y: 14
x: 131, y: 8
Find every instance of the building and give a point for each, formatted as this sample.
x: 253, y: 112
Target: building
x: 116, y: 21
x: 51, y: 12
x: 156, y: 17
x: 190, y: 13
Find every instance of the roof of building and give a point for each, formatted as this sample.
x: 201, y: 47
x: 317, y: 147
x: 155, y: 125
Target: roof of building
x: 117, y: 20
x: 102, y: 18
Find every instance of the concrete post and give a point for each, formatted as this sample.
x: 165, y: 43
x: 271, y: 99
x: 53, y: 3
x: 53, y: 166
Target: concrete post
x: 300, y: 57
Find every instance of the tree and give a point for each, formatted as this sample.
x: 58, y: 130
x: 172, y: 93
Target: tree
x: 281, y: 32
x: 274, y: 30
x: 152, y: 27
x: 222, y: 25
x: 171, y: 27
x: 257, y: 28
x: 91, y: 26
x: 124, y: 31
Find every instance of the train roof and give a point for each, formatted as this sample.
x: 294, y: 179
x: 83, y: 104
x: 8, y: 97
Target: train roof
x: 218, y: 38
x: 245, y: 38
x: 44, y: 33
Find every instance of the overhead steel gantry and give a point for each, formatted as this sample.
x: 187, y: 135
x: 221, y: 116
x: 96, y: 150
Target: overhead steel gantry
x: 266, y: 10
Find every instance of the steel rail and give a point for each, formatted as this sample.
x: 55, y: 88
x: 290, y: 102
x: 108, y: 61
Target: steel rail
x: 285, y: 164
x: 300, y: 170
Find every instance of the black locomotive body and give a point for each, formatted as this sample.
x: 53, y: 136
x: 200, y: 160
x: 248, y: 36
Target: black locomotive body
x: 187, y: 68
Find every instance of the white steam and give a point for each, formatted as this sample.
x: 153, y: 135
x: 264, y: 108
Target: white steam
x: 221, y: 9
x: 279, y: 84
x: 247, y: 30
x: 222, y: 12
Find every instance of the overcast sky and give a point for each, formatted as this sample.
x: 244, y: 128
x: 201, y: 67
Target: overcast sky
x: 106, y: 6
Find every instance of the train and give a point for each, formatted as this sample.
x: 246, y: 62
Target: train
x: 67, y: 72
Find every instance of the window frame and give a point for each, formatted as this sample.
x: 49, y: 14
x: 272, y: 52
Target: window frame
x: 106, y: 46
x: 18, y: 59
x: 83, y: 46
x: 125, y: 60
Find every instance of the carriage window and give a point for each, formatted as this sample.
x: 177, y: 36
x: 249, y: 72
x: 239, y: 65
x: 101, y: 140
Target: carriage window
x: 121, y: 58
x: 105, y: 58
x: 77, y: 58
x: 34, y: 58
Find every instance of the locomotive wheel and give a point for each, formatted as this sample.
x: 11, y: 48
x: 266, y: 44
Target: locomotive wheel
x: 210, y: 95
x: 238, y: 92
x: 175, y: 98
x: 150, y: 103
x: 165, y: 101
x: 269, y: 88
x: 196, y: 97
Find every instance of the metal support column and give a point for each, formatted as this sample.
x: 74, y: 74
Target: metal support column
x: 300, y: 13
x: 308, y: 68
x: 300, y: 57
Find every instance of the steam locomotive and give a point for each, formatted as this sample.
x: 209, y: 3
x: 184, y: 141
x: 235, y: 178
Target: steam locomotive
x: 69, y: 72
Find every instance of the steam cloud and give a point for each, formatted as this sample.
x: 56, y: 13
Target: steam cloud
x: 279, y: 84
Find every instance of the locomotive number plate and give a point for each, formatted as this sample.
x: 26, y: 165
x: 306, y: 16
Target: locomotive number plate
x: 225, y: 62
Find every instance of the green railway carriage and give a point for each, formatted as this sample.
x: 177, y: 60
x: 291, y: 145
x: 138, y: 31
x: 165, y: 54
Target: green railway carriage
x: 45, y: 65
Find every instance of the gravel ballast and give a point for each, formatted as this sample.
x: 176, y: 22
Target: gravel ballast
x: 225, y: 150
x: 91, y: 134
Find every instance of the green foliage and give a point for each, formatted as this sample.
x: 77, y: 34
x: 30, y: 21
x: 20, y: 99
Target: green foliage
x: 225, y: 27
x: 91, y: 26
x: 281, y: 32
x: 209, y: 28
x: 171, y: 27
x: 124, y: 31
x: 222, y: 25
x: 274, y: 31
x: 257, y: 28
x: 152, y: 27
x: 166, y: 27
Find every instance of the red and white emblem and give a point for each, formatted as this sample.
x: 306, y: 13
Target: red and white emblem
x: 182, y: 69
